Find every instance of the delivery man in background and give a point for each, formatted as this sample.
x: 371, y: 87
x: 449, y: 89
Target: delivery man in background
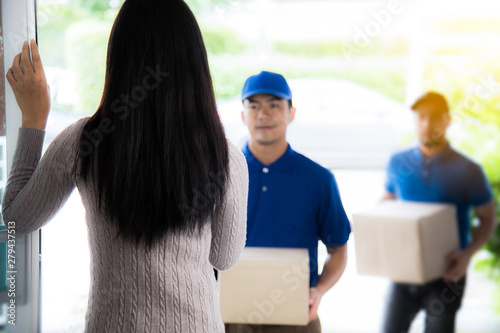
x: 435, y: 172
x: 293, y: 202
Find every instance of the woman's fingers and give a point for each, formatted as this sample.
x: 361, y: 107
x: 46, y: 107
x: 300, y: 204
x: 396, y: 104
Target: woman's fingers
x: 25, y: 59
x: 35, y: 57
x: 11, y: 78
x: 18, y: 72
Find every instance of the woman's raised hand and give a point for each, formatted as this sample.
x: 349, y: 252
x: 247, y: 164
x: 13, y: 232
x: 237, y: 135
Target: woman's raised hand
x: 30, y: 87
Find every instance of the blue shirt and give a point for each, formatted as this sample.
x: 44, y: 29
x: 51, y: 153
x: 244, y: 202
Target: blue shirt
x: 448, y: 177
x: 294, y: 202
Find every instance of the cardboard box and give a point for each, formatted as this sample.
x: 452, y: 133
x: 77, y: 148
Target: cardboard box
x: 267, y: 286
x: 405, y: 241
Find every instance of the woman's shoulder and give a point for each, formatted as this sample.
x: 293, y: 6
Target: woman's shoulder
x: 237, y: 162
x: 71, y: 133
x: 73, y: 129
x: 67, y: 143
x: 77, y: 126
x: 235, y: 154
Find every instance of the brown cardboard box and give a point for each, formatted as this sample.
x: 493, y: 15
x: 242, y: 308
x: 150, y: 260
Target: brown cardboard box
x: 405, y: 241
x: 267, y: 286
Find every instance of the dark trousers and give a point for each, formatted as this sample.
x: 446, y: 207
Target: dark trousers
x: 439, y: 299
x: 313, y: 327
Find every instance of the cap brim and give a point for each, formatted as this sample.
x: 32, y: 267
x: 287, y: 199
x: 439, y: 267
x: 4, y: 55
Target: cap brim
x: 266, y: 91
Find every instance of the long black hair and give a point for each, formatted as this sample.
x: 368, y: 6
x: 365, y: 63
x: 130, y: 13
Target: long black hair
x: 155, y: 146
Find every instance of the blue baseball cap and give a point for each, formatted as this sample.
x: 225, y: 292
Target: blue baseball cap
x: 266, y: 83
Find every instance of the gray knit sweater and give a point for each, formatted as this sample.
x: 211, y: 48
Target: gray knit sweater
x: 170, y: 288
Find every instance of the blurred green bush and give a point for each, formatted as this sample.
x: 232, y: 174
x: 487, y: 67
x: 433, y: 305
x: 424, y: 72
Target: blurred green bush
x: 222, y: 40
x: 387, y: 77
x: 377, y: 47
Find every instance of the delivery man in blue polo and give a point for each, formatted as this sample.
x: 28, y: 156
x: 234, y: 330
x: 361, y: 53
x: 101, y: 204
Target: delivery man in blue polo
x: 293, y: 202
x: 435, y: 172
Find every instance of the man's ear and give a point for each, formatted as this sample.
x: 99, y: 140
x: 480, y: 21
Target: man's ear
x: 291, y: 114
x: 243, y: 117
x: 447, y: 119
x: 450, y: 119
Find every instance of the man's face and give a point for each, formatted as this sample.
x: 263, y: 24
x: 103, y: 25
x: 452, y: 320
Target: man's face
x: 267, y: 117
x: 432, y: 124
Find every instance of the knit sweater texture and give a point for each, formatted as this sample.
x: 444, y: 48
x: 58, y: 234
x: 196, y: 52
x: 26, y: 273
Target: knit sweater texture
x: 169, y: 288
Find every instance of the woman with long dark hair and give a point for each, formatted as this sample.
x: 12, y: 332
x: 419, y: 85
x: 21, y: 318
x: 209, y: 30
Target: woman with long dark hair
x: 165, y: 193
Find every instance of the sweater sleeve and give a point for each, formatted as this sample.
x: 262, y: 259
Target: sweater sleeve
x: 229, y: 230
x: 37, y: 188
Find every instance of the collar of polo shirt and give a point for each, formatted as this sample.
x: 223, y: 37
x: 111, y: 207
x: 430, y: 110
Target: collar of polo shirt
x: 284, y: 163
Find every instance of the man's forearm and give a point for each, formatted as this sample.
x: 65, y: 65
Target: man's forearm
x: 333, y: 268
x: 488, y: 224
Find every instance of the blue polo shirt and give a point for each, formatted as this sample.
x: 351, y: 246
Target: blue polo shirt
x: 448, y: 177
x: 294, y: 202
